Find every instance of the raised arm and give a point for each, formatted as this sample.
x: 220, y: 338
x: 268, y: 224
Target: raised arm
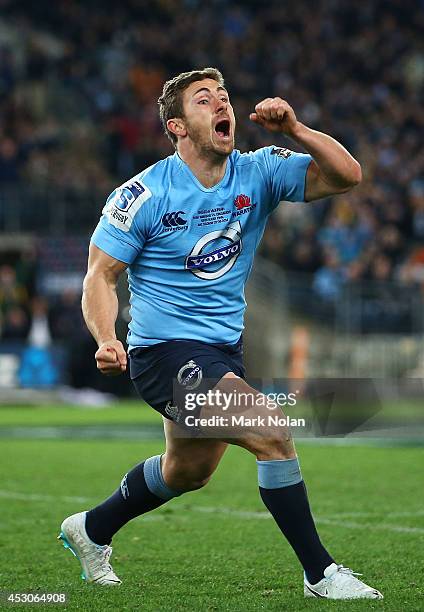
x: 100, y: 309
x: 333, y: 169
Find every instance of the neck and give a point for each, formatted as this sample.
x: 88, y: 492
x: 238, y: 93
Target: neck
x: 209, y: 168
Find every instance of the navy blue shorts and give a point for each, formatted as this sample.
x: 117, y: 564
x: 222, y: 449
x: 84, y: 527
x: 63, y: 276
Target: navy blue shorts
x: 165, y: 372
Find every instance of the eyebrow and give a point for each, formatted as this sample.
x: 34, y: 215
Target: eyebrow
x: 220, y: 88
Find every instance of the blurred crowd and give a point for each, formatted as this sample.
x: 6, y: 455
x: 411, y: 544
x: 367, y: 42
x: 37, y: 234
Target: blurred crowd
x: 78, y: 110
x: 29, y: 318
x: 26, y: 314
x: 47, y: 328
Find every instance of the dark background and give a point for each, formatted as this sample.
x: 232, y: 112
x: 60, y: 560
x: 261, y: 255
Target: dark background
x: 79, y: 84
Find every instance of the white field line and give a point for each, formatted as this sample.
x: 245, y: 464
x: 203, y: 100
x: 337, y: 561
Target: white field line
x: 379, y: 526
x: 44, y: 498
x: 375, y: 514
x: 336, y: 520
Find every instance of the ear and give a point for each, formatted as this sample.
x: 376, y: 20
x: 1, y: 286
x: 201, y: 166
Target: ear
x: 177, y: 127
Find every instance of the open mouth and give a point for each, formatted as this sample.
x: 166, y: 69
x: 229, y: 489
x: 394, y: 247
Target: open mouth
x: 222, y: 128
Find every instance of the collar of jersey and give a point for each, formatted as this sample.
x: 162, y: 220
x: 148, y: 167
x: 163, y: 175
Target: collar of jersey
x: 196, y: 181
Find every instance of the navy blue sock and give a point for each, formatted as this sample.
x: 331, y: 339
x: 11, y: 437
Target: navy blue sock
x: 284, y: 494
x: 142, y: 489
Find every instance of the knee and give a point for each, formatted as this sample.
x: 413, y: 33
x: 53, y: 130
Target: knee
x: 276, y: 445
x: 194, y: 482
x: 190, y: 481
x: 185, y: 477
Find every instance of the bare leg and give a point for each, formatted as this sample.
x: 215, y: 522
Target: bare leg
x: 189, y: 463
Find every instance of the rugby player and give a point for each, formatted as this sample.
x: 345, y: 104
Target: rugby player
x: 186, y: 230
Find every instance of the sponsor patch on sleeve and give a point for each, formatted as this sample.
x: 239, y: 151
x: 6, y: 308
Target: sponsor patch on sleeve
x: 123, y: 204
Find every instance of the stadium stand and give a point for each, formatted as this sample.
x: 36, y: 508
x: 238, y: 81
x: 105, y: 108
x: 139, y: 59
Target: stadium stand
x: 78, y: 115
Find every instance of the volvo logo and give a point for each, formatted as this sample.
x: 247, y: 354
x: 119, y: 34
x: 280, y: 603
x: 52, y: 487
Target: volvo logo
x: 190, y: 375
x: 200, y: 257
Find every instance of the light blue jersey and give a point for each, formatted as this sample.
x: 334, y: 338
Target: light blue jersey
x: 189, y: 248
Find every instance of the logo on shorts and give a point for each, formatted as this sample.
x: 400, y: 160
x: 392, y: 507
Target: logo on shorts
x: 124, y: 487
x: 190, y: 375
x: 173, y: 412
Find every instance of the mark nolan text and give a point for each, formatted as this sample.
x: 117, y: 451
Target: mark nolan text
x: 243, y: 421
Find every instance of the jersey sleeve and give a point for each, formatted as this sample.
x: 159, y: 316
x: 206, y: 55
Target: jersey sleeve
x: 125, y: 224
x: 286, y: 173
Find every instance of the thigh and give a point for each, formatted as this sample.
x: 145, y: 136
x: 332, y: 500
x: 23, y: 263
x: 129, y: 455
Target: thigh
x: 242, y: 415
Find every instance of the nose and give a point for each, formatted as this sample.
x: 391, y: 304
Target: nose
x: 220, y: 106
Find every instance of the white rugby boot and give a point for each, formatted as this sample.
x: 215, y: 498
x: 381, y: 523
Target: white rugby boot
x: 340, y: 583
x: 94, y: 558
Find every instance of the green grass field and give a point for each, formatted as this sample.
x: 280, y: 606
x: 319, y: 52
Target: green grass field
x: 214, y: 549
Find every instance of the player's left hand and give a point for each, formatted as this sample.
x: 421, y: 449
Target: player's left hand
x: 275, y: 115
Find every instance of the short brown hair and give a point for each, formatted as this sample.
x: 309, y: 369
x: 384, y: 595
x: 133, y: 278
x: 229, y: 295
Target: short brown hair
x: 171, y: 100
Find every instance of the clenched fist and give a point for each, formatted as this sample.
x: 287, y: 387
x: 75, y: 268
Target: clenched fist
x: 276, y: 115
x: 111, y: 358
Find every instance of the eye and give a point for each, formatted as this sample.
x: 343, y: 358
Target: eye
x: 224, y: 99
x: 204, y: 101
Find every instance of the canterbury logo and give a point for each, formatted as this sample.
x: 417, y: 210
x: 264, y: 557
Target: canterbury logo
x: 124, y: 487
x: 174, y: 219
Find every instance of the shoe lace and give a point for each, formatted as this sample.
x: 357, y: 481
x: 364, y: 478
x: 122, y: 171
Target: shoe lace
x: 346, y: 570
x: 99, y: 557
